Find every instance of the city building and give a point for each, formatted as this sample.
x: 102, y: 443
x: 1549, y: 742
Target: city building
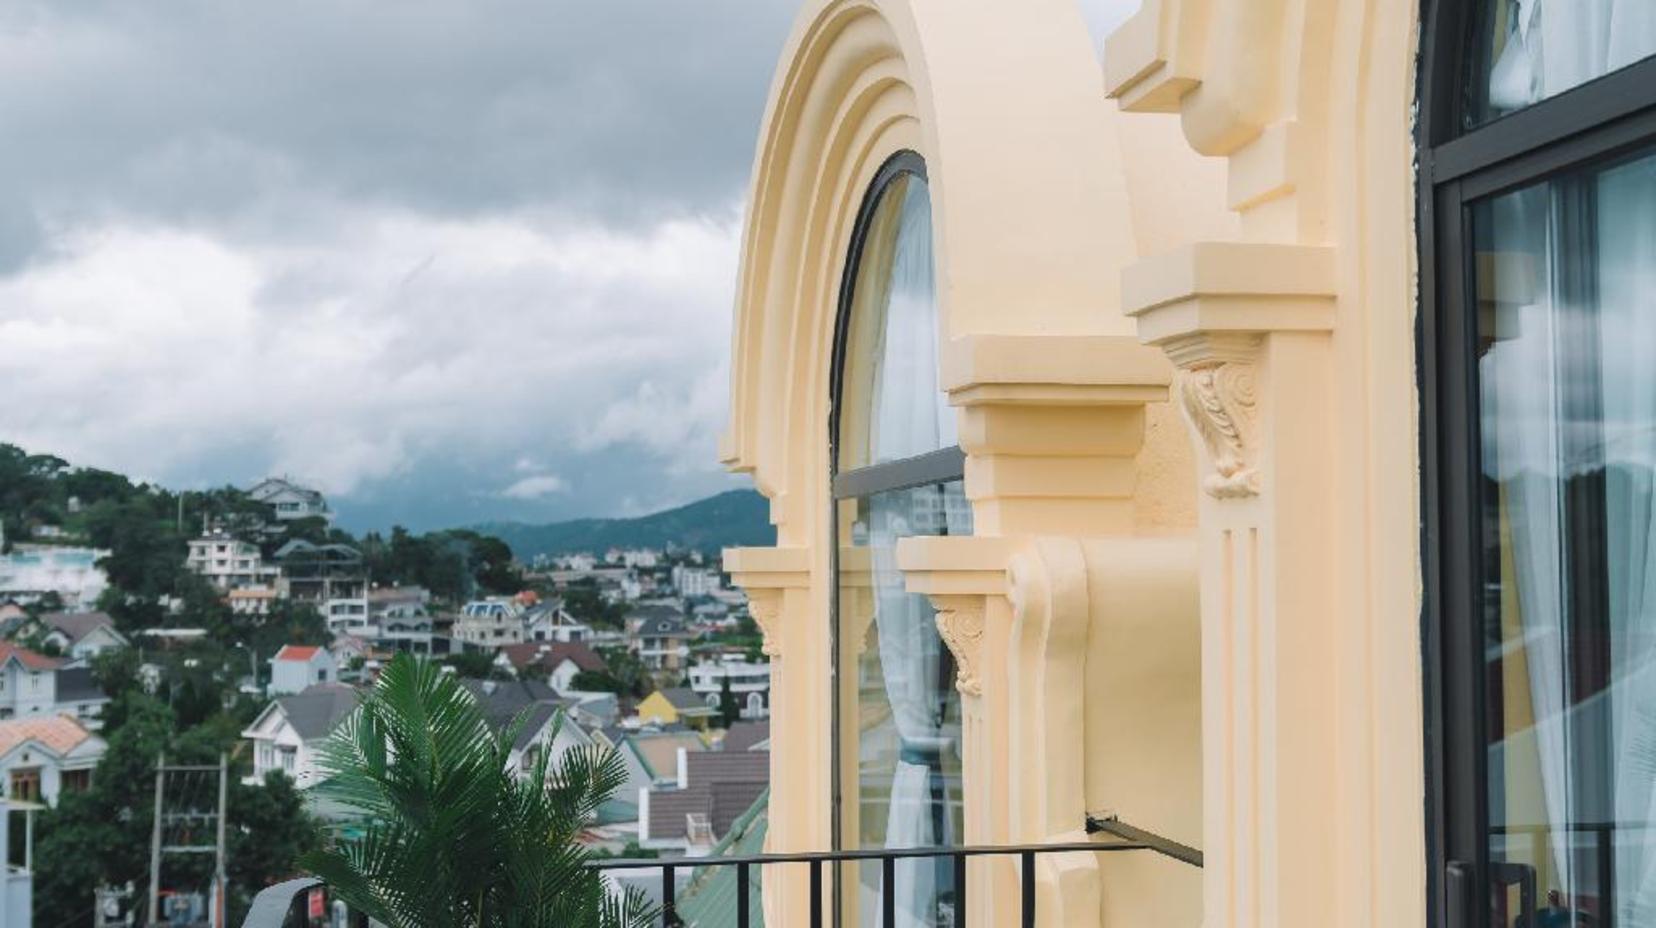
x: 30, y: 572
x: 331, y: 578
x: 229, y: 563
x: 288, y: 733
x: 42, y: 757
x: 660, y: 636
x: 493, y: 622
x: 695, y: 581
x: 290, y: 500
x: 296, y: 668
x: 80, y: 636
x: 749, y: 683
x: 252, y: 600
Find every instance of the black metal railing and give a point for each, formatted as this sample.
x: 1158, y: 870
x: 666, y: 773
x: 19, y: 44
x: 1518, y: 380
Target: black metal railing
x: 1127, y: 838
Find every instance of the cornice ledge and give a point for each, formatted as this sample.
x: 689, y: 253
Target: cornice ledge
x: 769, y: 567
x: 1053, y: 370
x: 1226, y: 289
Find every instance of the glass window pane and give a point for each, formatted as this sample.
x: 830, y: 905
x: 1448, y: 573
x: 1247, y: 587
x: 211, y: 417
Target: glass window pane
x: 901, y: 779
x: 1566, y: 301
x: 891, y: 407
x: 1527, y: 50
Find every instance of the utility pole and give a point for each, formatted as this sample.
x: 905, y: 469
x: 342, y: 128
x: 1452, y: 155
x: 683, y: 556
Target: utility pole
x: 155, y: 845
x: 185, y: 823
x: 221, y: 883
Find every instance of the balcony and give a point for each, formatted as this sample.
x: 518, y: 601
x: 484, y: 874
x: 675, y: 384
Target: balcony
x: 302, y: 901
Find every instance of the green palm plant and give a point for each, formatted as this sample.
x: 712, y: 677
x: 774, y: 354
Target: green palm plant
x: 450, y: 836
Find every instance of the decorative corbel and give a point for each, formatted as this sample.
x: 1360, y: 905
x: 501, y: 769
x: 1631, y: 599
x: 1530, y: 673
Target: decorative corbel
x: 959, y: 574
x: 766, y: 575
x: 1211, y: 307
x: 960, y: 624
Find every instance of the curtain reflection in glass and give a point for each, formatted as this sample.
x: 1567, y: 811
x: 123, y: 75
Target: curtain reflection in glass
x: 1566, y: 283
x: 1528, y: 50
x: 891, y: 405
x: 907, y: 712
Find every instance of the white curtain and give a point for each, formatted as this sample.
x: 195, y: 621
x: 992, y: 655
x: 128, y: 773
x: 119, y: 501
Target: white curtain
x: 1521, y: 398
x: 1553, y: 45
x: 911, y: 415
x: 1530, y: 377
x: 1627, y: 310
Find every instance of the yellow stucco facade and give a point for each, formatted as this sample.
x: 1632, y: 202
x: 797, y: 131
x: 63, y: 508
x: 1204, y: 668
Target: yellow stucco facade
x: 1176, y: 326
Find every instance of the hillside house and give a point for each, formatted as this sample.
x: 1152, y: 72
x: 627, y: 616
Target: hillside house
x: 555, y: 662
x: 660, y: 636
x: 676, y: 705
x: 491, y: 622
x: 710, y: 791
x: 290, y: 500
x: 287, y: 734
x: 749, y: 684
x: 332, y: 578
x: 229, y: 563
x: 296, y: 668
x: 45, y: 756
x: 33, y: 684
x: 80, y: 636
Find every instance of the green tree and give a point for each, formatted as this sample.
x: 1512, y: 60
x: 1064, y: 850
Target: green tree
x: 475, y: 665
x: 452, y: 837
x: 729, y: 709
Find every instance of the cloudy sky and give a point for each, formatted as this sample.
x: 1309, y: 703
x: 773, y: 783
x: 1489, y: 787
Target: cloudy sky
x: 447, y: 260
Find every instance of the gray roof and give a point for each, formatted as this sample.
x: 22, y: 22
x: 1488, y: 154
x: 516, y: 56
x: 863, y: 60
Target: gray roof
x: 315, y: 712
x: 722, y: 786
x: 77, y: 685
x: 685, y: 699
x: 503, y: 701
x: 745, y: 736
x: 77, y: 625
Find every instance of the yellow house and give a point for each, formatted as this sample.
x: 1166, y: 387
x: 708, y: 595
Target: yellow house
x: 1244, y: 443
x: 674, y: 706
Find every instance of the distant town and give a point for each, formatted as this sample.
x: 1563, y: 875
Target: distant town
x: 242, y: 622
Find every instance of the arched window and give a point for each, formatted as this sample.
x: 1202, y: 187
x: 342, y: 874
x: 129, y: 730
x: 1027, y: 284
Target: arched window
x: 897, y: 473
x: 1538, y: 297
x: 755, y: 706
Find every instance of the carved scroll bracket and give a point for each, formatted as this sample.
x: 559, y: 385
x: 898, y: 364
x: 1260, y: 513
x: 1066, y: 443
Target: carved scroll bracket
x: 767, y: 574
x: 960, y: 623
x: 959, y: 574
x: 1211, y: 307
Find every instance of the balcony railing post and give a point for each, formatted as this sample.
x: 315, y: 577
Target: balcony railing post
x: 1028, y: 889
x: 669, y: 910
x: 888, y: 892
x: 816, y: 894
x: 960, y: 890
x: 742, y: 896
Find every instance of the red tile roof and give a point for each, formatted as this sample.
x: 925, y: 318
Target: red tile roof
x: 297, y: 652
x: 58, y: 732
x: 27, y: 657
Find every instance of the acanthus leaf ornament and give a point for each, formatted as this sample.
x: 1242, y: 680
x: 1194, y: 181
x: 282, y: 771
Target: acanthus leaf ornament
x: 960, y: 624
x: 766, y: 609
x: 1220, y: 400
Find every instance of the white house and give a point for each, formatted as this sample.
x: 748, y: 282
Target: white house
x: 552, y: 622
x: 252, y: 600
x: 749, y: 683
x: 491, y: 622
x: 44, y: 756
x: 298, y: 667
x: 288, y: 733
x: 694, y: 581
x: 557, y: 661
x: 227, y: 562
x: 81, y: 635
x: 289, y: 499
x: 16, y: 873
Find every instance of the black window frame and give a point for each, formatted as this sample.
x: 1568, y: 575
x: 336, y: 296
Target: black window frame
x: 1458, y: 165
x: 941, y: 466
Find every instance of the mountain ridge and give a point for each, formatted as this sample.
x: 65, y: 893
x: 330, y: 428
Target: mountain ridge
x: 729, y: 519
